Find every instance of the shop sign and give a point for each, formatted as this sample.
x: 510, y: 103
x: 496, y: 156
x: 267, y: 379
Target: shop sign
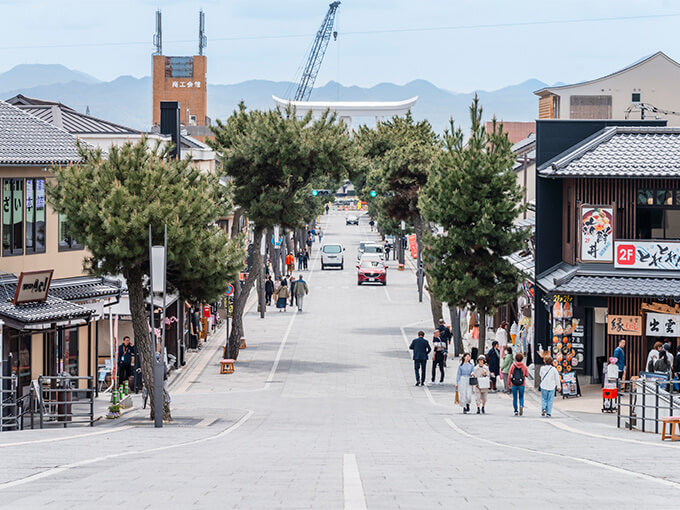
x: 33, y: 286
x: 664, y: 255
x: 662, y: 324
x: 630, y: 325
x: 597, y: 233
x: 567, y: 348
x: 413, y: 246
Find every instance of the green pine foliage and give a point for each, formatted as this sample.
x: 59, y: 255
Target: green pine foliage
x: 473, y: 194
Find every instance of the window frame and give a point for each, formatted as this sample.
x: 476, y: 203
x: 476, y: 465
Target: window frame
x: 13, y: 251
x: 72, y: 245
x: 655, y: 193
x: 34, y: 190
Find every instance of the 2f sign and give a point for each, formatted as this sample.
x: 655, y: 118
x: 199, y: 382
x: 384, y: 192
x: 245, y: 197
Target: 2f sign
x: 625, y: 254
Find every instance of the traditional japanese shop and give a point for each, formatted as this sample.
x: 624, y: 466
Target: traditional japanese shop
x: 607, y: 241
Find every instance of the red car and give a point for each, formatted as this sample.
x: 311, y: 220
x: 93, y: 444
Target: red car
x: 373, y: 271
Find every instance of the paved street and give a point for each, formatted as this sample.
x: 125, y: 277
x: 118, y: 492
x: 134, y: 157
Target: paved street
x: 322, y: 412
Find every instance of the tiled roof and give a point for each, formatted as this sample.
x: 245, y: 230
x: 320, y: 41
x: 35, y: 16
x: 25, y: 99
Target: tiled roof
x: 52, y: 310
x: 27, y: 140
x: 621, y: 286
x: 75, y: 122
x: 75, y: 289
x: 524, y: 261
x: 621, y: 152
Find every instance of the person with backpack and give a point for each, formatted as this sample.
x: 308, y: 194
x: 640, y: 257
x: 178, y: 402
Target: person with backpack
x: 518, y: 379
x: 463, y: 388
x: 445, y: 335
x: 550, y: 381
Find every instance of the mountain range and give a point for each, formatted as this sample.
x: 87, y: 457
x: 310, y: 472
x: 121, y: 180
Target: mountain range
x: 127, y: 100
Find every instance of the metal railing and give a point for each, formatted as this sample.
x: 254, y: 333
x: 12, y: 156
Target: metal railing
x: 60, y: 400
x: 8, y: 403
x: 645, y: 402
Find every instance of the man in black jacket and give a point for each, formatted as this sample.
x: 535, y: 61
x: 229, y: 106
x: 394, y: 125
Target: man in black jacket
x: 125, y: 352
x: 421, y: 348
x: 268, y: 290
x: 445, y: 335
x: 493, y: 359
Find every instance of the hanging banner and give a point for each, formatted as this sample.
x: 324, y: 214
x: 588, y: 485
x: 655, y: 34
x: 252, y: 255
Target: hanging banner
x: 597, y: 233
x: 413, y: 245
x: 630, y: 325
x: 663, y: 255
x: 662, y: 324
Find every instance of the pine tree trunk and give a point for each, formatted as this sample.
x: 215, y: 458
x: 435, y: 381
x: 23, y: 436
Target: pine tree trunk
x: 143, y: 342
x: 240, y: 300
x: 435, y: 304
x: 436, y: 307
x: 482, y: 331
x: 455, y: 329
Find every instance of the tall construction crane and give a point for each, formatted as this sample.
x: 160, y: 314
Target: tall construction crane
x: 316, y: 54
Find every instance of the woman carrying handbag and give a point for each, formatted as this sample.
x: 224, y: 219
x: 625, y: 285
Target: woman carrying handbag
x: 481, y: 389
x: 463, y: 382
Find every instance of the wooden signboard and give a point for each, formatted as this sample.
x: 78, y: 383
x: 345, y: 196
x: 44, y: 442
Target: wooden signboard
x: 33, y: 286
x: 629, y: 325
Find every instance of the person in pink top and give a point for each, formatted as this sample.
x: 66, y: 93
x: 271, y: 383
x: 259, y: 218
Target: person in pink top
x: 518, y: 378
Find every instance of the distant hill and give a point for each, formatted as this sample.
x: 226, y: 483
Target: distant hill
x: 127, y: 100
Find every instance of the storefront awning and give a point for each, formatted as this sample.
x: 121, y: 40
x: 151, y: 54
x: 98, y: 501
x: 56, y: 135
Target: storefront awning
x: 84, y: 287
x: 42, y: 314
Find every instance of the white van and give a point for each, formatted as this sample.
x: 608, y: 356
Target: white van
x: 332, y: 256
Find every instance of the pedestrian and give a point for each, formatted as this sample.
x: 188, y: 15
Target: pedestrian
x: 518, y: 379
x: 550, y: 382
x: 386, y: 249
x: 282, y: 295
x: 662, y: 365
x: 620, y: 356
x: 493, y: 358
x: 445, y: 335
x: 421, y: 348
x: 439, y: 347
x: 305, y: 259
x: 505, y: 368
x: 669, y: 352
x: 327, y: 208
x: 463, y: 388
x: 474, y: 353
x: 676, y: 370
x: 309, y: 243
x: 653, y: 356
x: 372, y: 224
x: 301, y: 290
x: 290, y: 263
x: 300, y: 256
x: 268, y: 290
x: 125, y: 352
x: 483, y: 375
x: 292, y: 290
x: 320, y: 234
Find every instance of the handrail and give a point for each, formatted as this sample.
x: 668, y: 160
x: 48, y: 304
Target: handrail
x: 640, y: 407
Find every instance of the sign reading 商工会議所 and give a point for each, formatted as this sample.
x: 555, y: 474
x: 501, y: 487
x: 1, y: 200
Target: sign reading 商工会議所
x: 661, y: 255
x: 33, y: 286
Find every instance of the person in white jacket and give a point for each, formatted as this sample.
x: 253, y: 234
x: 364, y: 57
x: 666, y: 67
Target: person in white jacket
x: 550, y: 381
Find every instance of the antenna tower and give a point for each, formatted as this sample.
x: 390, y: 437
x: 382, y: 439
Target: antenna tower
x: 202, y: 38
x: 158, y: 36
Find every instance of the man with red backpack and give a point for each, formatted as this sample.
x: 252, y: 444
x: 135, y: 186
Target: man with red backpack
x: 518, y: 377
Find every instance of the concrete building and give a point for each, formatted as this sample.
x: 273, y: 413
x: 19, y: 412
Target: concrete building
x: 645, y: 90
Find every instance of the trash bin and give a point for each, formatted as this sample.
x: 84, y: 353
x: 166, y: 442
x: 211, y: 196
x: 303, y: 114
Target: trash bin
x: 64, y: 397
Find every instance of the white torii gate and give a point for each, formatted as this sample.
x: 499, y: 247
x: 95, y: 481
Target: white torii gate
x: 346, y: 110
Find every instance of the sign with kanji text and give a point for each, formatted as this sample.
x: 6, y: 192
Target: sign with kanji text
x: 662, y: 324
x: 33, y: 286
x: 661, y: 255
x: 597, y: 233
x: 630, y: 325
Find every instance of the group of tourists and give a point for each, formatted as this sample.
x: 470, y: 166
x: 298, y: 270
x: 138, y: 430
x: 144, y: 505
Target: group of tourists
x: 480, y: 374
x: 660, y: 360
x: 286, y: 290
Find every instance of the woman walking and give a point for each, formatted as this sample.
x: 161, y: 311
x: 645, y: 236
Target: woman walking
x: 463, y: 383
x: 550, y: 381
x: 505, y: 368
x: 518, y: 379
x: 282, y: 295
x: 483, y: 375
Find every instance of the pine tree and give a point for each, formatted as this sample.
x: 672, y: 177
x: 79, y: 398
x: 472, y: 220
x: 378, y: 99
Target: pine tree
x: 273, y: 157
x: 110, y: 203
x: 472, y: 193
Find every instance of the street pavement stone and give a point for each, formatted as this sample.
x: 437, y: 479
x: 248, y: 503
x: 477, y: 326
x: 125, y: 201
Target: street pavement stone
x: 343, y: 385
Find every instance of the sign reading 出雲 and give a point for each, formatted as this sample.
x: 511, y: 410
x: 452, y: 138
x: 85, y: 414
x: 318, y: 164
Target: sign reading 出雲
x: 663, y: 255
x: 662, y: 324
x: 33, y: 286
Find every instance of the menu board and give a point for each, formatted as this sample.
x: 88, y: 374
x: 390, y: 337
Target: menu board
x: 570, y: 385
x: 568, y: 341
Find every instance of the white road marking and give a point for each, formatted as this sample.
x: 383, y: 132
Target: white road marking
x: 66, y: 467
x: 56, y: 439
x: 387, y: 294
x: 197, y: 370
x: 563, y: 426
x: 279, y: 353
x: 352, y: 488
x: 589, y: 462
x: 205, y: 422
x: 425, y: 388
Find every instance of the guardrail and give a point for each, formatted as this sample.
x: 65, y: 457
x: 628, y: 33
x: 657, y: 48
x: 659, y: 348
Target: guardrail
x: 8, y: 402
x: 645, y: 402
x: 61, y: 400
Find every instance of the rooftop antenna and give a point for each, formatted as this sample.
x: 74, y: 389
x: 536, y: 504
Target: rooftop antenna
x: 158, y: 36
x: 202, y: 38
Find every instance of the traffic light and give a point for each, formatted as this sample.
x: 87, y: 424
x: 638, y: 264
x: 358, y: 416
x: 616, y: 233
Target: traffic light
x: 373, y: 193
x: 321, y: 192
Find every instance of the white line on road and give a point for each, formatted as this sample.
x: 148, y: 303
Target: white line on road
x: 589, y: 462
x: 352, y: 488
x: 66, y: 467
x: 279, y: 353
x: 425, y: 388
x: 64, y: 438
x: 387, y: 294
x: 563, y: 426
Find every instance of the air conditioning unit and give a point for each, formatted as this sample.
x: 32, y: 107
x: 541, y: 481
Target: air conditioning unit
x: 192, y: 120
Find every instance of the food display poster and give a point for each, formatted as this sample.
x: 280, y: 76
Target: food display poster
x: 567, y: 346
x: 597, y: 234
x: 570, y: 386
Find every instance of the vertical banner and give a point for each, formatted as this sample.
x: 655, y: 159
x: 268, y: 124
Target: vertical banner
x: 413, y: 246
x: 597, y: 233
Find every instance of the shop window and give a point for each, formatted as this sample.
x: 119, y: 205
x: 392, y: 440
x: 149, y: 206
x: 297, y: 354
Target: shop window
x: 35, y: 215
x: 66, y: 239
x: 12, y: 216
x: 20, y: 348
x: 70, y: 347
x: 658, y: 214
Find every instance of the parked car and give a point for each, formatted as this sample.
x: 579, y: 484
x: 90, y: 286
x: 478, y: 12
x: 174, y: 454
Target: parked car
x: 332, y: 256
x: 351, y: 219
x: 371, y: 271
x: 372, y: 247
x: 375, y: 257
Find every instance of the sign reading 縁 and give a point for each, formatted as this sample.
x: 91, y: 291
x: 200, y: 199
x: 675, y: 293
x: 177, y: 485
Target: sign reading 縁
x: 33, y: 286
x: 630, y: 325
x: 662, y: 255
x: 662, y: 324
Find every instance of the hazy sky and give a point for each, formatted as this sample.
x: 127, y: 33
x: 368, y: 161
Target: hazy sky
x: 112, y: 38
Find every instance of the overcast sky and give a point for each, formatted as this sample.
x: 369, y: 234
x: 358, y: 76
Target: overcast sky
x: 112, y: 38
